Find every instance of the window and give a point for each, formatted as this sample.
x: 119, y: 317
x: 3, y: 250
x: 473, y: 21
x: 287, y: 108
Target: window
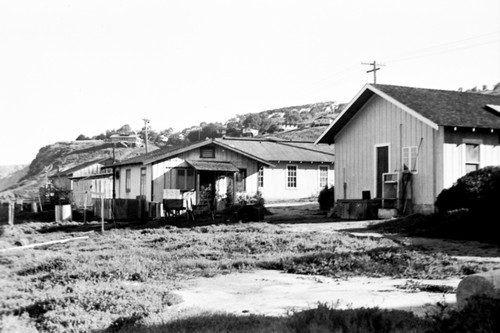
x: 143, y: 182
x: 323, y: 176
x: 260, y: 177
x: 291, y: 176
x: 127, y: 180
x: 471, y: 157
x: 240, y: 180
x: 409, y: 156
x: 207, y: 152
x: 185, y: 179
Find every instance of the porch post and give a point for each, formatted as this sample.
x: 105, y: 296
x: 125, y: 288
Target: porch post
x: 234, y: 188
x: 197, y: 187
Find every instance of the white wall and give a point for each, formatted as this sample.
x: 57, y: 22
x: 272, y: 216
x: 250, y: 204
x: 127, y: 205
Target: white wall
x: 275, y: 181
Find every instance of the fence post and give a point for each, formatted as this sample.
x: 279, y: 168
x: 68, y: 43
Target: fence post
x: 102, y: 213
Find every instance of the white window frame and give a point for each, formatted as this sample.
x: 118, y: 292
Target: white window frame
x: 260, y: 177
x: 142, y: 181
x: 327, y: 175
x: 128, y: 180
x: 287, y: 176
x: 411, y: 161
x: 466, y: 162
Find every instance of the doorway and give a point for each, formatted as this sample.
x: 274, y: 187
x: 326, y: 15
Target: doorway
x: 381, y: 166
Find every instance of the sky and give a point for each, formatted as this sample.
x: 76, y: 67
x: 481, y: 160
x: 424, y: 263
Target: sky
x: 81, y: 66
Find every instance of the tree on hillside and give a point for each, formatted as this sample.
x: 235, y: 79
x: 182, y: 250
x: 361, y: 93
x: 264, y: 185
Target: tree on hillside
x: 124, y: 130
x: 252, y: 120
x: 82, y: 137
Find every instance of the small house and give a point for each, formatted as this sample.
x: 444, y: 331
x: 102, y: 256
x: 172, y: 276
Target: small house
x: 404, y: 145
x: 230, y: 167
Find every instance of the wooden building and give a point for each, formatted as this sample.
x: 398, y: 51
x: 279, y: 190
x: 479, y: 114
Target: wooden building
x: 407, y: 144
x: 85, y: 180
x: 278, y: 169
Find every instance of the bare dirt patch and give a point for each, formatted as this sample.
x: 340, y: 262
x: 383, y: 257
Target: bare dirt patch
x: 275, y: 293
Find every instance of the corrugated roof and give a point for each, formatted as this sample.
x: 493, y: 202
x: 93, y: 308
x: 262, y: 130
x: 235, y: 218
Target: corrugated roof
x: 435, y: 107
x: 213, y: 166
x: 70, y: 171
x: 282, y: 150
x: 262, y: 150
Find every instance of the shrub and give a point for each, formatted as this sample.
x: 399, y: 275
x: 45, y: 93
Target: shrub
x: 326, y: 198
x: 476, y: 190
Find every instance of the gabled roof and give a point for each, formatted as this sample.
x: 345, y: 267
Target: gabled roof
x: 433, y: 107
x: 69, y: 172
x: 263, y: 150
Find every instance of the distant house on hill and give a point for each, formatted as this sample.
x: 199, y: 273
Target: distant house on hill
x: 131, y: 140
x: 405, y: 145
x: 278, y: 169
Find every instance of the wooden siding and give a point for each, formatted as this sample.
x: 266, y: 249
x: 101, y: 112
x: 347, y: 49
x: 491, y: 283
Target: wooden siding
x: 164, y: 177
x: 135, y: 181
x: 380, y: 122
x: 93, y: 169
x: 275, y: 179
x: 454, y: 151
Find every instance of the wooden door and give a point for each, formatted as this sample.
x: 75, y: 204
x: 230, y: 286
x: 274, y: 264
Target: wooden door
x: 382, y: 165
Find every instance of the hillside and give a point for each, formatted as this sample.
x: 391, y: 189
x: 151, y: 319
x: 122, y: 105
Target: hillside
x: 11, y: 174
x: 60, y: 156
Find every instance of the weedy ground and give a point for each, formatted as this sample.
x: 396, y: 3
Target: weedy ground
x: 124, y: 278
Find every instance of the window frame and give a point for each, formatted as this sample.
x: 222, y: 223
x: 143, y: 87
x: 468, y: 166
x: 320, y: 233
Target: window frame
x: 327, y: 175
x: 185, y: 182
x: 128, y: 180
x: 293, y: 177
x: 260, y: 177
x: 468, y: 162
x: 242, y: 173
x: 210, y: 149
x: 142, y: 181
x: 411, y: 160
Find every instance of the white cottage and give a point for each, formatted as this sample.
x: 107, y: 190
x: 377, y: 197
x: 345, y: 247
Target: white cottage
x: 278, y: 169
x: 405, y: 145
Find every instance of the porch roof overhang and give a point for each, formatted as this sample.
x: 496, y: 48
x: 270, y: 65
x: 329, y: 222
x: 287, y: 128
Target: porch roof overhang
x: 212, y: 166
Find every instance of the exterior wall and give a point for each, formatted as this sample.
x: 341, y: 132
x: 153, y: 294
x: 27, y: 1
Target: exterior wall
x: 380, y: 122
x: 93, y: 169
x: 83, y: 188
x: 454, y: 151
x: 135, y: 181
x: 275, y: 181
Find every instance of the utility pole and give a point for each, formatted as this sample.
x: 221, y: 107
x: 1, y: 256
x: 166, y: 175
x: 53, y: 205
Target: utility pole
x: 146, y: 122
x: 374, y: 70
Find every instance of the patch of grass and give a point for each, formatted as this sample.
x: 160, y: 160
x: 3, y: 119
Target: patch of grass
x: 417, y: 286
x: 319, y: 319
x: 460, y: 224
x: 393, y: 262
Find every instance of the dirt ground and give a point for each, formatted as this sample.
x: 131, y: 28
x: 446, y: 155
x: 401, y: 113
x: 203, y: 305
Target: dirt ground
x: 276, y: 293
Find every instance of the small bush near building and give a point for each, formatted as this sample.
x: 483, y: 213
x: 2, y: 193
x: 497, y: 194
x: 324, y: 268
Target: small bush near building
x: 326, y: 198
x: 476, y: 191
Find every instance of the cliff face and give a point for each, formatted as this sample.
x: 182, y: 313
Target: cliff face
x: 56, y: 157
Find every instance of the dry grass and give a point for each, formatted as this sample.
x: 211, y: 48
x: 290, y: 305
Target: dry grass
x: 126, y: 276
